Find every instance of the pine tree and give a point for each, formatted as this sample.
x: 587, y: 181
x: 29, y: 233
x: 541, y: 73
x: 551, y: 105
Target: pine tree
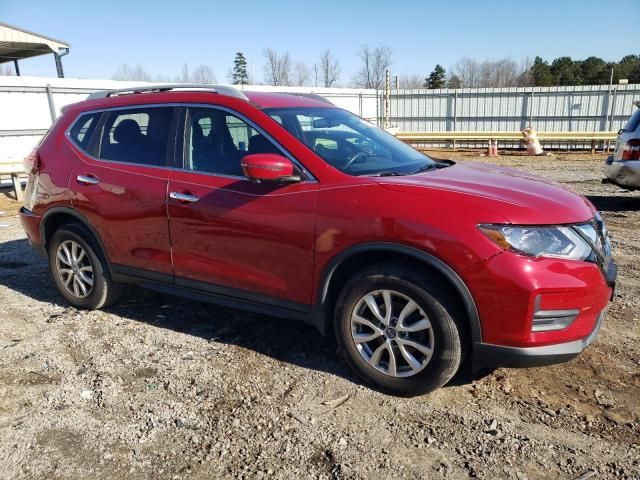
x: 436, y: 78
x: 240, y: 76
x: 542, y: 75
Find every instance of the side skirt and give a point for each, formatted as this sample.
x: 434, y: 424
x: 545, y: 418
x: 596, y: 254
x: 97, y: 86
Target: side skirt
x: 219, y: 295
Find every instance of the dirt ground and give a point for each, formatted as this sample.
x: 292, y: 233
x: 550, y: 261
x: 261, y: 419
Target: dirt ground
x: 160, y: 388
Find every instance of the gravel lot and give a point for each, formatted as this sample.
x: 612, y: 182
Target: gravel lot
x: 159, y: 388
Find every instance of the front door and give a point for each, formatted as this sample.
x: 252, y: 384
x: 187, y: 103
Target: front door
x: 231, y: 236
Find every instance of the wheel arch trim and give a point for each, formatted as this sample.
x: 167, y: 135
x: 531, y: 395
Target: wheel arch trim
x: 46, y: 217
x: 434, y: 262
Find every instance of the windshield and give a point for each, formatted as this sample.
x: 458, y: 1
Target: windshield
x: 349, y: 143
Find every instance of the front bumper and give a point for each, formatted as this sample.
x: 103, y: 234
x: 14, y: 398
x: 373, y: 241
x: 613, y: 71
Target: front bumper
x: 488, y: 355
x: 512, y: 291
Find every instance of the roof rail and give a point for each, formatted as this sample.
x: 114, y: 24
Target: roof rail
x: 219, y: 89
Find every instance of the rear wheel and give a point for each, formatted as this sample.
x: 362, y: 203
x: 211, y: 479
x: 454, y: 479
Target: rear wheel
x: 399, y: 329
x: 79, y: 268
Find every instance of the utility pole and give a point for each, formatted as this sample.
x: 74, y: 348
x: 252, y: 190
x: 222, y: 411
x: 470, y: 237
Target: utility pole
x: 387, y: 100
x: 610, y: 116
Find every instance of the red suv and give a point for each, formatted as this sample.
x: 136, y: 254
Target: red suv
x: 287, y: 205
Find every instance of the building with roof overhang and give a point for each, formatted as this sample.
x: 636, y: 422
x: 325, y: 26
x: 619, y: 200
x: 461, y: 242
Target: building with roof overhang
x: 17, y: 44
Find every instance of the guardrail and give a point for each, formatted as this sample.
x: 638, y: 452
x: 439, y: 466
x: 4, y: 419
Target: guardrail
x: 440, y: 136
x: 555, y: 137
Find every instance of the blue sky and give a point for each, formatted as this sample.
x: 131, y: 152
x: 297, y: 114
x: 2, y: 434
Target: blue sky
x: 162, y: 35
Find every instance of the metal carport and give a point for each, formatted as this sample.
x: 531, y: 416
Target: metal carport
x: 17, y: 44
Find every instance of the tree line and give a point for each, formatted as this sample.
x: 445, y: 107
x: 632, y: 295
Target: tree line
x: 281, y: 69
x: 537, y: 73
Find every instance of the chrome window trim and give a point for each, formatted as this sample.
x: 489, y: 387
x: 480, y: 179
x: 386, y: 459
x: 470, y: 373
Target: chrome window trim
x: 309, y: 176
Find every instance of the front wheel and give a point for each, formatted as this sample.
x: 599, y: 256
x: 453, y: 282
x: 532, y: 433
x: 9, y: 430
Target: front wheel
x: 399, y: 329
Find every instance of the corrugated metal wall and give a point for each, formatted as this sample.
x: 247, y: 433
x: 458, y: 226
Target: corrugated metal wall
x: 547, y: 109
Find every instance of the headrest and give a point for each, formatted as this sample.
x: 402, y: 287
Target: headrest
x: 259, y: 144
x: 126, y: 131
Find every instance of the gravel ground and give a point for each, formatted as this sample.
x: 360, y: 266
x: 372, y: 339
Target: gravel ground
x: 162, y: 388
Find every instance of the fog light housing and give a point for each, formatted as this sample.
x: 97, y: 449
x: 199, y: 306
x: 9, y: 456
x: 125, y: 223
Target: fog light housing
x: 551, y: 320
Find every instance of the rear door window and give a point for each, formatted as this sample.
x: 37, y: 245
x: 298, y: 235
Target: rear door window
x: 139, y: 136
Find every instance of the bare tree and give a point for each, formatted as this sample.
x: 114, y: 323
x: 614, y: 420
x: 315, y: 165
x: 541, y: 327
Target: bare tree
x: 301, y: 74
x: 184, y: 75
x: 454, y: 81
x: 126, y: 72
x: 526, y: 78
x: 329, y: 68
x: 411, y: 81
x: 489, y: 73
x: 374, y: 63
x: 6, y: 71
x: 202, y: 74
x: 467, y: 71
x: 277, y: 69
x: 160, y: 78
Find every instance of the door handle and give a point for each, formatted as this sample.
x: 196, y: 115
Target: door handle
x: 184, y: 197
x: 87, y: 180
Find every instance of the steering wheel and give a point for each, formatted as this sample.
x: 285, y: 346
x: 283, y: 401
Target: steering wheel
x: 356, y: 157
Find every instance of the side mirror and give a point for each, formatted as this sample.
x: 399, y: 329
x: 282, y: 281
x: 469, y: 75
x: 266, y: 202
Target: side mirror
x: 268, y: 167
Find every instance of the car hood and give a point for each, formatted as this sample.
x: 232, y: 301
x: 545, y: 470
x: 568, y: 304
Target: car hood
x: 517, y: 196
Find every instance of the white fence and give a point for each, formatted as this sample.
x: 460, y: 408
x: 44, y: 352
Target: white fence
x: 28, y: 106
x: 587, y: 108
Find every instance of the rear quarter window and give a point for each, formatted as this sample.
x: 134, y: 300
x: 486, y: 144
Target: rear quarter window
x: 83, y: 129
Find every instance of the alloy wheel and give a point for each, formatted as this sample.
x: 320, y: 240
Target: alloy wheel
x: 74, y: 268
x: 392, y: 333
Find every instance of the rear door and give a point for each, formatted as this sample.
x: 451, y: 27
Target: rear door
x: 252, y: 241
x: 120, y: 182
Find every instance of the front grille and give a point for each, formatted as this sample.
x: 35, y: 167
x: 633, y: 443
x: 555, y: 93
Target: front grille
x: 603, y: 234
x: 595, y: 233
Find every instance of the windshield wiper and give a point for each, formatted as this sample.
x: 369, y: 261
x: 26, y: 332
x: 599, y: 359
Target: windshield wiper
x: 430, y: 166
x: 386, y: 174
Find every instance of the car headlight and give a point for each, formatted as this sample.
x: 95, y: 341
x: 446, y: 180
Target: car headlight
x: 560, y: 242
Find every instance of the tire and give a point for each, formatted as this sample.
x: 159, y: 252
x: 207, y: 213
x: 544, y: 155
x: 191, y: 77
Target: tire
x: 412, y: 371
x: 91, y: 268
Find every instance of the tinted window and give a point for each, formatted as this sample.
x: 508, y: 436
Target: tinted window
x: 83, y: 128
x: 137, y: 135
x: 217, y: 141
x: 633, y: 122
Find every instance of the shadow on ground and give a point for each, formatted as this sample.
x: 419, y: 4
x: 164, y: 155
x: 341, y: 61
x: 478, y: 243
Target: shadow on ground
x: 290, y: 341
x: 618, y: 203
